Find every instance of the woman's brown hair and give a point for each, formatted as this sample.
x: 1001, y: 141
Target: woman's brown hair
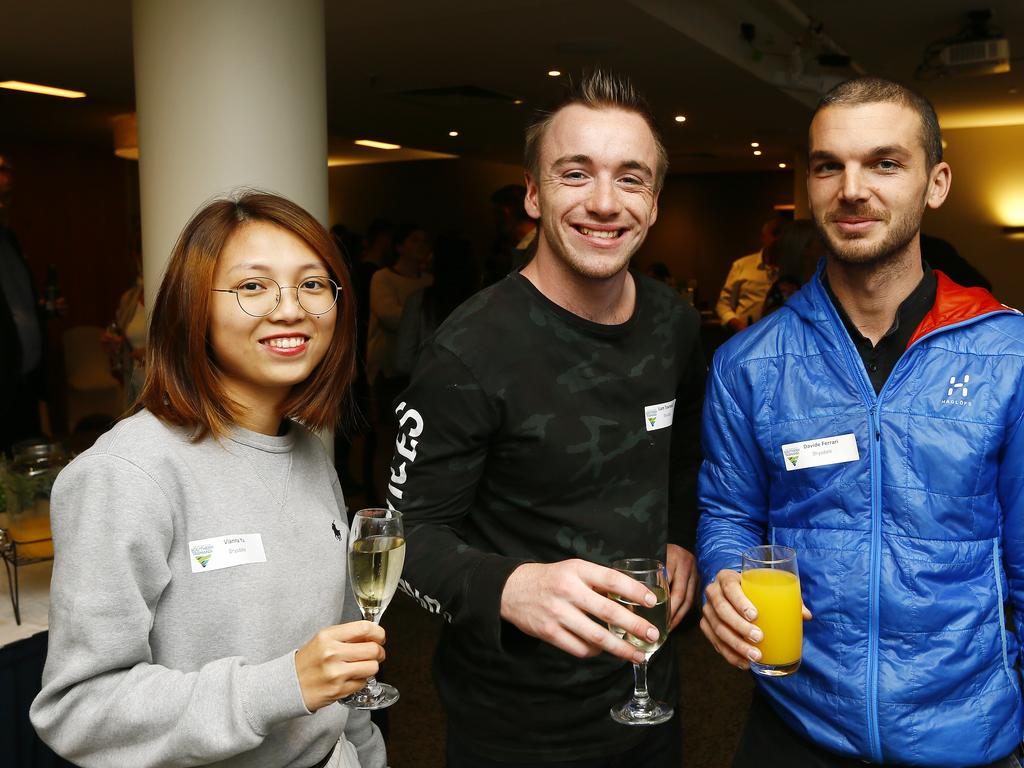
x: 183, y: 381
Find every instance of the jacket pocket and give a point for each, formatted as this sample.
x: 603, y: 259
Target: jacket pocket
x: 1008, y: 664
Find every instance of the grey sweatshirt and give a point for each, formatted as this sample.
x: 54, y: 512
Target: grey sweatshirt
x: 186, y: 576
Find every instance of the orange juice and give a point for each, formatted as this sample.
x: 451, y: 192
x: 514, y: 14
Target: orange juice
x: 30, y: 529
x: 776, y: 595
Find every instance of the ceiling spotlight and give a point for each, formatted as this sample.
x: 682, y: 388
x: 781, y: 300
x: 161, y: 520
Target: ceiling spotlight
x: 517, y: 102
x: 755, y: 144
x: 680, y: 118
x: 757, y: 153
x: 553, y: 73
x: 453, y: 134
x: 782, y: 165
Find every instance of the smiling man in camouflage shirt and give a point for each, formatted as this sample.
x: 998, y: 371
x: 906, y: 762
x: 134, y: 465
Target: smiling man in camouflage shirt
x: 549, y: 429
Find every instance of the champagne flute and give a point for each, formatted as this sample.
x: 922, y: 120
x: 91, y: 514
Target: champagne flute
x: 376, y: 554
x: 641, y: 709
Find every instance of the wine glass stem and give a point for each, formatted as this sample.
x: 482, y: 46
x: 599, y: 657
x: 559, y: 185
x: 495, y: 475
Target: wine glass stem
x: 372, y: 688
x: 640, y: 695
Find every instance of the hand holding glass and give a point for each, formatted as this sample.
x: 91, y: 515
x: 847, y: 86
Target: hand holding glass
x: 771, y: 581
x: 641, y: 709
x: 376, y: 554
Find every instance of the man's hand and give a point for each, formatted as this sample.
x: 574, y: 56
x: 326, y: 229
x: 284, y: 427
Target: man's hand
x: 555, y: 602
x: 737, y: 324
x: 682, y: 580
x: 337, y: 662
x: 727, y: 618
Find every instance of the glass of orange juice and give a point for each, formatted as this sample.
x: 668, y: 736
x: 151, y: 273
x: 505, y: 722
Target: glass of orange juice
x: 771, y: 581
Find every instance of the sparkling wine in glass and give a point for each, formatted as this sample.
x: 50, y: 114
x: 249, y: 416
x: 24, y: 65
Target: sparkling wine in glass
x: 641, y: 709
x: 376, y: 554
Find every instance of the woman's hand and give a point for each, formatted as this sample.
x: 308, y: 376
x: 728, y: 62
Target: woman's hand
x: 337, y: 662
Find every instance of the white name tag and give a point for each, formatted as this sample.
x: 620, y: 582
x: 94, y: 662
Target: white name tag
x: 226, y: 551
x: 820, y: 451
x: 659, y: 416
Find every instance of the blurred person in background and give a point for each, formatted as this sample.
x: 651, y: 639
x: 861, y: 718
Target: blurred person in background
x: 390, y: 288
x: 456, y: 278
x: 516, y: 233
x: 796, y: 252
x: 746, y: 286
x: 22, y: 331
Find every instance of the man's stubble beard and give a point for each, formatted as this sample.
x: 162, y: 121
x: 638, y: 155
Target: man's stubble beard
x: 892, y: 247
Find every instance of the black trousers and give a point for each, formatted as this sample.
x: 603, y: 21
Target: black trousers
x: 767, y: 742
x: 662, y: 747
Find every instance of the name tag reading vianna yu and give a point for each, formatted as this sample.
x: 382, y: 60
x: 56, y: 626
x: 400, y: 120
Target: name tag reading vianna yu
x: 820, y: 452
x: 226, y: 551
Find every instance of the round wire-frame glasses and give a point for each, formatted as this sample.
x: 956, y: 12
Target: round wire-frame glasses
x: 260, y: 296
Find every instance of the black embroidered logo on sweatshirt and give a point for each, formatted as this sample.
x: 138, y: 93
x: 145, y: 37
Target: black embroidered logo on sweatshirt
x: 337, y: 533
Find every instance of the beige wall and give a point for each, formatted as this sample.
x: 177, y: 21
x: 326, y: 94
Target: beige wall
x: 987, y: 194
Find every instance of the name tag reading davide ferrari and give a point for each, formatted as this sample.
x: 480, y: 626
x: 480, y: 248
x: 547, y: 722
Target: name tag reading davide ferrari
x: 820, y: 452
x: 226, y: 551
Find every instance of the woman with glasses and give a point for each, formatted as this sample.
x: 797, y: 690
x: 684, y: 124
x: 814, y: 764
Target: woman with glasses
x: 200, y: 612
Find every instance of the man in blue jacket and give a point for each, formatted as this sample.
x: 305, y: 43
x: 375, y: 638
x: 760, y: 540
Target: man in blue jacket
x: 910, y: 527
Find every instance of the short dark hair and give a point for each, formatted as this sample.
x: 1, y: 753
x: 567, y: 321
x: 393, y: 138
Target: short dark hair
x: 597, y: 90
x: 377, y: 228
x: 184, y: 385
x: 402, y: 231
x: 875, y: 90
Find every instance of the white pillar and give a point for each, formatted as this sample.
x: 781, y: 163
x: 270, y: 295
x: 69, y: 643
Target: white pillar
x: 229, y: 93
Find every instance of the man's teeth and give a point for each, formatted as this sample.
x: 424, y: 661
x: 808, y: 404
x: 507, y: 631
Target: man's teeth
x: 286, y: 343
x: 606, y: 234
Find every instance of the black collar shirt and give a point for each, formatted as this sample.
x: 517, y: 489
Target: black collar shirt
x: 879, y: 359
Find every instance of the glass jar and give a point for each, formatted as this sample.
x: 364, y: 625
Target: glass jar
x: 27, y: 480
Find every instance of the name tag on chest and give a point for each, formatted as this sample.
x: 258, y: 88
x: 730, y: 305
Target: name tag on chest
x: 226, y: 551
x: 659, y: 415
x: 820, y: 451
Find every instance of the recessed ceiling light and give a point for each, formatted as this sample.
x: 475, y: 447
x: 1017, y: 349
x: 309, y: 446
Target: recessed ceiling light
x: 782, y: 165
x: 757, y: 152
x: 377, y: 144
x: 553, y: 73
x: 680, y: 118
x: 755, y: 144
x: 46, y: 90
x: 453, y: 134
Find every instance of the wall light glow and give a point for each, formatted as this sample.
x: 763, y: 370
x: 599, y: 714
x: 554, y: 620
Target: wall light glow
x: 45, y: 90
x: 1010, y: 208
x: 377, y: 144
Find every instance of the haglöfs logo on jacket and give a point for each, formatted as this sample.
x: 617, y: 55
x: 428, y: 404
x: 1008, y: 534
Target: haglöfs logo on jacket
x: 957, y: 391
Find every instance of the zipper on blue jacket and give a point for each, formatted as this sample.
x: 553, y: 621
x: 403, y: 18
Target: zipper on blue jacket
x: 875, y: 450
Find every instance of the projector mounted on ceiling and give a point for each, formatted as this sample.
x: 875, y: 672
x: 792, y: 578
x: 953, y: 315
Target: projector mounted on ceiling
x: 977, y: 49
x: 977, y: 57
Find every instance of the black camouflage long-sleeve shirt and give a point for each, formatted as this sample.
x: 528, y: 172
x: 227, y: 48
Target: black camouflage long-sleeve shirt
x: 531, y: 434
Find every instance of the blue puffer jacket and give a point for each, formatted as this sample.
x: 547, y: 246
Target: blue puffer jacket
x: 910, y: 554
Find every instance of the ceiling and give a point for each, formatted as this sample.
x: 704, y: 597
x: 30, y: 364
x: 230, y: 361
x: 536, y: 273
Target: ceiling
x: 420, y: 70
